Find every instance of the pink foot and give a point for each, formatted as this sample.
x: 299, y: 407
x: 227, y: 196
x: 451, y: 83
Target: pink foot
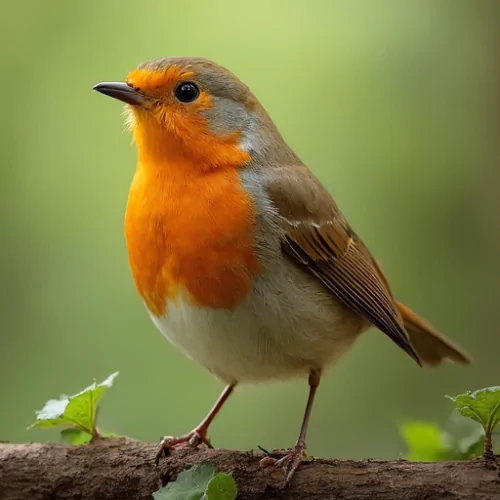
x: 193, y: 438
x: 287, y: 464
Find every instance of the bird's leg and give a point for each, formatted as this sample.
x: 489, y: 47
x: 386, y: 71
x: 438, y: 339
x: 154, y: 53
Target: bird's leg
x: 199, y: 434
x: 292, y: 458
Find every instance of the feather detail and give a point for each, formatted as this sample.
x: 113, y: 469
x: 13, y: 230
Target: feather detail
x: 317, y: 236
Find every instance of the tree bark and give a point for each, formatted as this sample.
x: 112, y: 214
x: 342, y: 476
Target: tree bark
x: 124, y: 469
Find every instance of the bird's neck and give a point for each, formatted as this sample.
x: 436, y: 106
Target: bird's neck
x: 165, y: 145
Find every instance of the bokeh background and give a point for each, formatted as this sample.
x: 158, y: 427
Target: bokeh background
x: 394, y: 105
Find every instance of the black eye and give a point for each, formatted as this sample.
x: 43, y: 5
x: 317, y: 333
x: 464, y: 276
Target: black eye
x: 187, y: 92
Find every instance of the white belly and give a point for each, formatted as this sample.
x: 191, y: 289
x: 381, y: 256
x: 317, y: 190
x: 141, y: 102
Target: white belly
x: 287, y: 326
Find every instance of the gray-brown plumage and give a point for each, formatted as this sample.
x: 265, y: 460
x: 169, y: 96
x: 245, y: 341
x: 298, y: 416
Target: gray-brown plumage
x: 320, y: 239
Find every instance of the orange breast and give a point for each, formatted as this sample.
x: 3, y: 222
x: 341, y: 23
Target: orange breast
x: 190, y: 230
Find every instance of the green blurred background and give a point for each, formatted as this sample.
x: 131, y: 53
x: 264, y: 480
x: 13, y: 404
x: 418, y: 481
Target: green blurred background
x: 394, y: 105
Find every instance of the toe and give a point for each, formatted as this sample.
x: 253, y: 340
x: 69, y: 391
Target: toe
x: 284, y: 462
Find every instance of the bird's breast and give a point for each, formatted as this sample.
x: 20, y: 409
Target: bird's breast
x: 190, y: 233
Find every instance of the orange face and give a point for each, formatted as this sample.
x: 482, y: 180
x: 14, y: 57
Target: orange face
x: 162, y: 118
x: 183, y: 113
x: 189, y: 222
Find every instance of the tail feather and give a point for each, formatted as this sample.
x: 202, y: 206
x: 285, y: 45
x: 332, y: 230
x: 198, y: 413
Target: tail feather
x: 432, y: 347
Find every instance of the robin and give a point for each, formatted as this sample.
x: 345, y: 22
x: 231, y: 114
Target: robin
x: 241, y: 256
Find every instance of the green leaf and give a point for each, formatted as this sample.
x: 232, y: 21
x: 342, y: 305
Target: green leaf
x: 51, y: 422
x: 78, y: 411
x: 105, y: 384
x: 483, y: 406
x: 76, y: 436
x: 459, y: 440
x: 199, y: 483
x: 189, y: 485
x: 462, y: 437
x: 221, y: 487
x: 53, y: 409
x: 423, y: 440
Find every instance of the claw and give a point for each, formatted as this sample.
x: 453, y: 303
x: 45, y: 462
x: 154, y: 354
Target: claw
x: 194, y: 439
x: 287, y: 464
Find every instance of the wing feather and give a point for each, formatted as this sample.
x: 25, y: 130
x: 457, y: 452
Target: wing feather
x: 318, y: 238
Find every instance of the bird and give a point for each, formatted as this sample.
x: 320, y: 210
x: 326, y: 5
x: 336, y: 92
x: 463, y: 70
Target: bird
x: 241, y: 256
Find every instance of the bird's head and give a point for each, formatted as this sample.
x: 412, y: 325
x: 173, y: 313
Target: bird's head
x: 193, y: 108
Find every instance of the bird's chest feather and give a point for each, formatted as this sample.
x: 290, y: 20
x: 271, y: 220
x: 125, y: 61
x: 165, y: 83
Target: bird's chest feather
x: 190, y: 234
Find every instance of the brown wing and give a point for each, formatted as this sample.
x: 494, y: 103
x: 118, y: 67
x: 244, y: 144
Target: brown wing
x: 319, y: 238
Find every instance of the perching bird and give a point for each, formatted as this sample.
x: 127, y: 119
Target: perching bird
x: 239, y: 253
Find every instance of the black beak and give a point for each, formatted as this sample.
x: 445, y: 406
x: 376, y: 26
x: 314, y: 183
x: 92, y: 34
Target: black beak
x: 120, y: 91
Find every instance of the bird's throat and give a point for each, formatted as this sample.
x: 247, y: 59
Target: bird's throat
x: 166, y: 141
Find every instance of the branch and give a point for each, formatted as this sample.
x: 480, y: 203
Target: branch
x: 124, y: 469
